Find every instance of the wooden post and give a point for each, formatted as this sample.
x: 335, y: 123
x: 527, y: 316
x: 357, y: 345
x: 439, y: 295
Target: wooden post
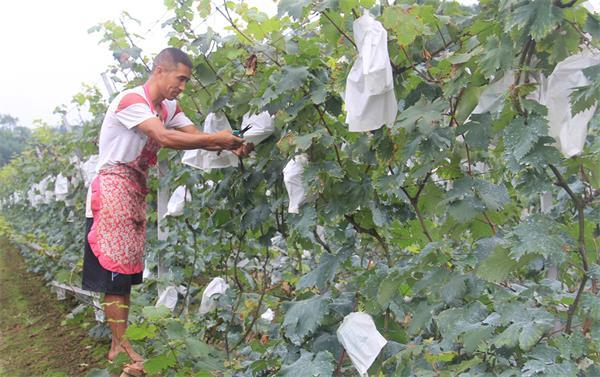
x: 162, y: 201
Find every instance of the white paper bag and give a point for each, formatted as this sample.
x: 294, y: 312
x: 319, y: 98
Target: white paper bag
x: 207, y: 160
x: 61, y: 187
x: 570, y: 132
x: 361, y: 340
x: 370, y: 99
x: 262, y: 127
x: 292, y: 177
x: 210, y: 295
x: 492, y: 97
x: 546, y: 202
x: 268, y: 315
x: 168, y: 297
x: 177, y: 201
x: 33, y: 196
x: 88, y: 169
x: 47, y: 195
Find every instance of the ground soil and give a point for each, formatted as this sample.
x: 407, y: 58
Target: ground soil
x: 36, y: 339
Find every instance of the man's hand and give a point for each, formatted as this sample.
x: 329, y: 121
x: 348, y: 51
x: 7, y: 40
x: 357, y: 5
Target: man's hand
x: 226, y: 140
x: 244, y: 150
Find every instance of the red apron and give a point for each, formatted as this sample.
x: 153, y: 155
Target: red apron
x: 118, y: 234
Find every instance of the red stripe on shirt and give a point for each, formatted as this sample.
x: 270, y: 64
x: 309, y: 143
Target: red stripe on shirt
x: 177, y: 110
x: 130, y: 99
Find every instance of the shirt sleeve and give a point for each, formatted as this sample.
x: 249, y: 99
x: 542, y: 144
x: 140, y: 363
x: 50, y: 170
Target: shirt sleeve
x: 133, y: 110
x: 179, y: 119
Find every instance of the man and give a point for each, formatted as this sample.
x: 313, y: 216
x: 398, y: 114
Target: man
x: 137, y: 124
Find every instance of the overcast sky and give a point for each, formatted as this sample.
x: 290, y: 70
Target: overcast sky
x: 48, y: 54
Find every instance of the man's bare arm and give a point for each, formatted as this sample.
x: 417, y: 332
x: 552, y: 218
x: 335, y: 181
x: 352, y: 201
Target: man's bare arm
x: 242, y: 151
x: 174, y: 139
x: 191, y: 129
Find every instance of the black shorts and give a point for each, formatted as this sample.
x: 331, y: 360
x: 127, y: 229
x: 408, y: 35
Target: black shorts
x: 98, y: 279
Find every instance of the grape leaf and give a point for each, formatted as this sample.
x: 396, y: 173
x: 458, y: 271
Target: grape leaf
x: 321, y: 275
x: 303, y: 317
x: 538, y: 234
x: 519, y: 138
x: 537, y: 17
x: 310, y: 365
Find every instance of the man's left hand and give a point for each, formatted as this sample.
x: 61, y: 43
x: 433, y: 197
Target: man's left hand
x: 244, y: 150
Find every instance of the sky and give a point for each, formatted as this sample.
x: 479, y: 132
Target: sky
x: 48, y: 53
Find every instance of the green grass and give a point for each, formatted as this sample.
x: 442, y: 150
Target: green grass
x: 35, y: 338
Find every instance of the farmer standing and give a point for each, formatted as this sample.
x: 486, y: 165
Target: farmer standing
x: 137, y: 124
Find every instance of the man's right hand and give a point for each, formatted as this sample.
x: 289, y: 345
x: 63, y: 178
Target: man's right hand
x: 226, y: 140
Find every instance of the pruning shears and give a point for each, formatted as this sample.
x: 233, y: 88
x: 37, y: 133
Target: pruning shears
x: 240, y: 133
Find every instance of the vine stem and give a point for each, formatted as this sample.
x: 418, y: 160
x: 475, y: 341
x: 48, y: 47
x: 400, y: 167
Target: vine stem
x: 373, y: 233
x: 580, y: 206
x: 340, y: 362
x: 260, y: 300
x: 337, y: 152
x: 133, y: 44
x: 339, y: 29
x: 414, y: 202
x: 189, y: 284
x: 233, y: 24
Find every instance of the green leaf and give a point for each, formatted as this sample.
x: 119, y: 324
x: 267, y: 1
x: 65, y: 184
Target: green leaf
x: 304, y: 317
x: 160, y: 363
x: 509, y: 337
x: 475, y: 336
x: 423, y: 115
x: 587, y: 96
x: 291, y: 78
x: 456, y: 321
x: 494, y: 196
x: 197, y: 348
x: 205, y: 74
x: 594, y: 271
x: 174, y: 329
x: 519, y: 138
x: 405, y: 23
x: 497, y: 266
x: 310, y: 365
x: 468, y: 102
x: 537, y: 234
x: 154, y: 313
x: 590, y: 304
x: 294, y: 8
x: 318, y: 91
x: 389, y: 288
x: 454, y: 289
x: 321, y: 275
x: 141, y: 331
x: 466, y: 209
x: 498, y: 54
x: 536, y: 17
x: 531, y: 332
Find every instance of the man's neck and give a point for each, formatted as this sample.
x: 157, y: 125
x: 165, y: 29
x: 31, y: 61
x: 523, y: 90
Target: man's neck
x: 154, y: 93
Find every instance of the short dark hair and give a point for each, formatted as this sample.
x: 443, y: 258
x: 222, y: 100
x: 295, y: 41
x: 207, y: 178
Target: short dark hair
x: 170, y: 57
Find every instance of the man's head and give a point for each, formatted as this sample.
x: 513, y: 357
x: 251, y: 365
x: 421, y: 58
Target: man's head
x: 171, y: 70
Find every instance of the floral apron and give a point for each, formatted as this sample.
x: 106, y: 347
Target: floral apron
x: 118, y: 234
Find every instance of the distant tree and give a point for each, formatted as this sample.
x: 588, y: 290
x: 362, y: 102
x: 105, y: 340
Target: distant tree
x: 7, y: 120
x: 12, y: 138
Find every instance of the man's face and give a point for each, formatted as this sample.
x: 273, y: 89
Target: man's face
x: 172, y: 80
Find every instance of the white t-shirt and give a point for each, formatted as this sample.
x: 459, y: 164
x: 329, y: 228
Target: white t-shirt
x: 120, y: 140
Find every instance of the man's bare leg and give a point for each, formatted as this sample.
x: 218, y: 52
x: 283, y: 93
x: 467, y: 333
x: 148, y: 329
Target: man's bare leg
x: 116, y: 310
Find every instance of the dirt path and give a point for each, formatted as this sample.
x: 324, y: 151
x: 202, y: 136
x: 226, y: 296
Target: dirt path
x: 35, y: 339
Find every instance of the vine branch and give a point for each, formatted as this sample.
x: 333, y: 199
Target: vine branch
x: 580, y: 206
